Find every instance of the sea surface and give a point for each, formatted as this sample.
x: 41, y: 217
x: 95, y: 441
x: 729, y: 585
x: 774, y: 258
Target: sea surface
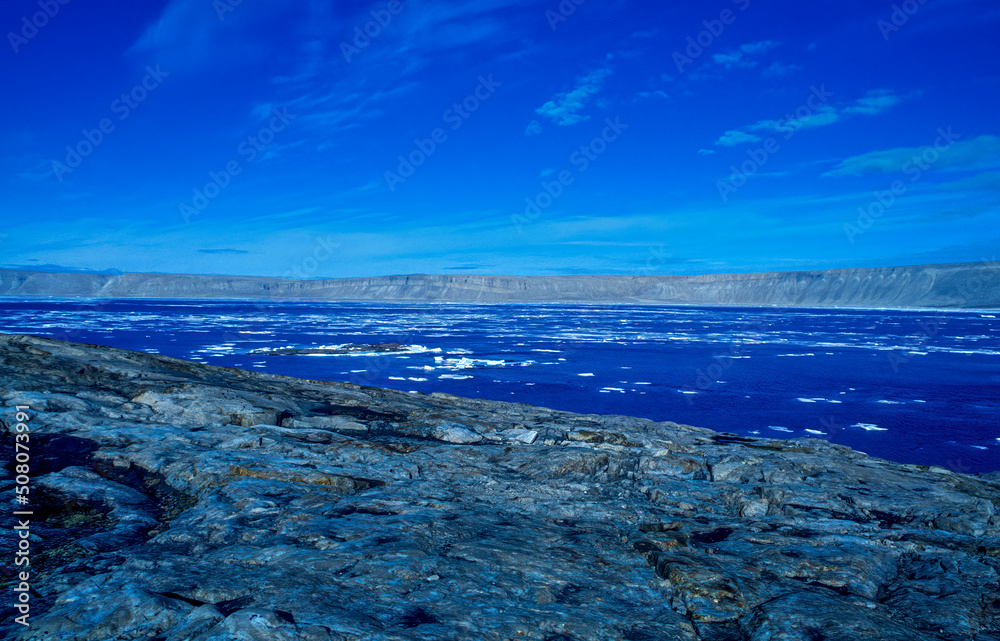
x: 910, y: 386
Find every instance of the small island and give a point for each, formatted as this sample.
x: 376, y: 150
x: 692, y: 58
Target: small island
x: 333, y: 350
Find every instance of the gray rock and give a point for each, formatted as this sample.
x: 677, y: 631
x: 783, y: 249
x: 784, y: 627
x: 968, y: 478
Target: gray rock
x: 172, y: 505
x: 327, y: 423
x: 456, y: 434
x: 522, y: 435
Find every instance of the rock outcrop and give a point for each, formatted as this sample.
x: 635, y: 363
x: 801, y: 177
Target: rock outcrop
x: 965, y: 285
x: 180, y: 502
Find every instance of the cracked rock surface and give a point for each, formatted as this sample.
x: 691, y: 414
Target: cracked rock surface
x: 178, y: 502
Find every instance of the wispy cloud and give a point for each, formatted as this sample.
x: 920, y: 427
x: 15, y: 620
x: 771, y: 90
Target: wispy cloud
x: 873, y: 103
x: 50, y: 267
x: 736, y: 137
x: 190, y: 34
x: 565, y: 108
x: 298, y: 43
x: 285, y: 215
x: 336, y: 109
x: 778, y: 69
x: 978, y: 153
x: 189, y: 29
x: 986, y: 181
x: 447, y: 25
x: 38, y: 172
x: 825, y: 115
x: 183, y: 25
x: 533, y: 129
x: 467, y: 267
x: 742, y: 58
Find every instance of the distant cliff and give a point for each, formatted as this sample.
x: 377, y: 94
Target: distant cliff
x: 962, y: 285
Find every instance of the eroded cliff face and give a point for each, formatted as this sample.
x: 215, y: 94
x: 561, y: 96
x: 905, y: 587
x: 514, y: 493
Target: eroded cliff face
x: 970, y: 285
x: 177, y: 501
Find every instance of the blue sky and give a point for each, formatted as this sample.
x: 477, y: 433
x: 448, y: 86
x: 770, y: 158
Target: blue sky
x: 325, y: 139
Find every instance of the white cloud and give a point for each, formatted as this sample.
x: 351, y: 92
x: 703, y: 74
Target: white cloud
x: 533, y: 129
x: 874, y: 103
x: 193, y: 34
x: 741, y: 58
x: 758, y: 47
x: 736, y: 137
x: 988, y: 181
x: 780, y: 69
x: 732, y: 60
x: 565, y: 108
x: 706, y: 152
x: 824, y: 116
x: 977, y: 153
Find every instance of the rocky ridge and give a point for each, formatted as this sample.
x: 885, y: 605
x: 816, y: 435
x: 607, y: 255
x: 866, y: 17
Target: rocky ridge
x: 176, y: 501
x: 960, y: 285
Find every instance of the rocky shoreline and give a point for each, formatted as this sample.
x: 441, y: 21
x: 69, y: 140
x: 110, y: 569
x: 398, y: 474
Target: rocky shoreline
x: 175, y: 501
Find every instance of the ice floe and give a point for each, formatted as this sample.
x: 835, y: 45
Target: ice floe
x: 465, y: 362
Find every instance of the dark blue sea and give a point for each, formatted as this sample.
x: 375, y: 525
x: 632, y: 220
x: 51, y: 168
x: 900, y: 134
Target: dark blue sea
x: 910, y: 386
